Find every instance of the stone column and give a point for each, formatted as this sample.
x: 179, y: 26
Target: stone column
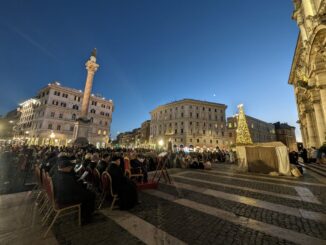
x: 323, y: 102
x: 82, y: 125
x: 309, y: 12
x: 91, y: 68
x: 320, y: 119
x: 310, y: 129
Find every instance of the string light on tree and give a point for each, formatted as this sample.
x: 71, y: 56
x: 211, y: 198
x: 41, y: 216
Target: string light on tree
x: 243, y: 134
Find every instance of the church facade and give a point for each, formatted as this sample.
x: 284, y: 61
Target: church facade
x: 308, y: 71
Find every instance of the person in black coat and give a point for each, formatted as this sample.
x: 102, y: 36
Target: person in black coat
x: 103, y: 163
x: 121, y: 185
x: 67, y: 190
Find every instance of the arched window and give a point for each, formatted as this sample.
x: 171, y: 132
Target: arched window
x: 92, y: 119
x: 73, y: 117
x: 99, y: 132
x: 93, y: 111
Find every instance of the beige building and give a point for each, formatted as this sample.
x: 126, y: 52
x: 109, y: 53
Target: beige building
x: 137, y: 138
x: 27, y: 115
x: 8, y: 125
x: 286, y: 134
x: 130, y: 139
x: 145, y: 133
x: 51, y: 116
x: 308, y: 71
x: 260, y: 131
x: 189, y: 123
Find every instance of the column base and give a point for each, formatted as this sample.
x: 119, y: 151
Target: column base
x: 81, y: 132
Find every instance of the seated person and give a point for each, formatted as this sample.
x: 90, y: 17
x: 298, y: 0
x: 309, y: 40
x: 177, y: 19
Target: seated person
x: 67, y: 190
x: 103, y: 163
x: 121, y: 185
x: 139, y: 163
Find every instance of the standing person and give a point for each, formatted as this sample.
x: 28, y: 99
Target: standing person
x: 313, y: 156
x: 121, y: 185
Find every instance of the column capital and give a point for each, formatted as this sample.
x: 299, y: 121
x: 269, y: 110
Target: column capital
x: 315, y: 95
x: 91, y: 66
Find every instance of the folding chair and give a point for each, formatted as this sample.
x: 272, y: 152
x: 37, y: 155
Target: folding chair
x: 129, y: 170
x: 58, y: 208
x: 107, y: 189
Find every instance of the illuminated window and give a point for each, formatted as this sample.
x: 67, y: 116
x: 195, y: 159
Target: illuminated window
x: 99, y: 132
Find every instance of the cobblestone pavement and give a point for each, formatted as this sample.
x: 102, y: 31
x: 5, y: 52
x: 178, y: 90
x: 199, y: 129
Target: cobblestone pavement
x: 220, y: 206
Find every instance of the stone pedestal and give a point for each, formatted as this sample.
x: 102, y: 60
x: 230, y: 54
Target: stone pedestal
x: 81, y: 132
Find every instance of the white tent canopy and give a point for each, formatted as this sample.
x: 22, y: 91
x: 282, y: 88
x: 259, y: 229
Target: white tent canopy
x: 264, y: 158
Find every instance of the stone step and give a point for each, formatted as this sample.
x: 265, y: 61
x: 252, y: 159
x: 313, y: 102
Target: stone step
x: 316, y: 170
x: 320, y: 167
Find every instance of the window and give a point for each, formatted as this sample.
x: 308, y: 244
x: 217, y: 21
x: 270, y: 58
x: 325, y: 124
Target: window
x: 221, y: 118
x: 73, y: 117
x: 216, y: 141
x: 190, y: 140
x: 190, y: 123
x: 181, y: 114
x: 99, y: 132
x: 102, y: 113
x: 190, y: 114
x: 60, y: 115
x: 230, y: 135
x: 71, y: 128
x: 197, y: 140
x: 197, y: 115
x: 93, y: 111
x: 52, y: 114
x: 100, y: 122
x: 176, y: 131
x: 50, y: 126
x: 204, y: 131
x: 94, y: 103
x: 182, y: 130
x: 203, y: 108
x: 209, y: 109
x: 75, y: 107
x: 104, y: 132
x: 92, y: 119
x: 211, y: 141
x: 59, y: 127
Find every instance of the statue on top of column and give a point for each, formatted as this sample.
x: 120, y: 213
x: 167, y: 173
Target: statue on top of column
x: 94, y: 52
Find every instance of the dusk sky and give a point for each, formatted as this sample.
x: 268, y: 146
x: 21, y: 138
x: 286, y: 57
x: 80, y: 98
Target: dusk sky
x: 152, y: 52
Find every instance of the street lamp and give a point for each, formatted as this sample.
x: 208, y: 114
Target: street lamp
x: 160, y: 142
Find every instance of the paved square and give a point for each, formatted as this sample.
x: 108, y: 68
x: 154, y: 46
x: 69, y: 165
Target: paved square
x: 220, y: 206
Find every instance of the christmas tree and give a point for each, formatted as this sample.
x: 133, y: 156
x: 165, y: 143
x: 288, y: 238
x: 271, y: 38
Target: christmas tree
x: 243, y: 134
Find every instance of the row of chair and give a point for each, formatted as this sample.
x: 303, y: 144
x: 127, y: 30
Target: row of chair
x: 47, y: 204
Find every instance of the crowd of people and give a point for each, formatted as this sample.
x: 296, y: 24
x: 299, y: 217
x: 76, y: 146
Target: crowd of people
x: 72, y: 169
x: 312, y: 155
